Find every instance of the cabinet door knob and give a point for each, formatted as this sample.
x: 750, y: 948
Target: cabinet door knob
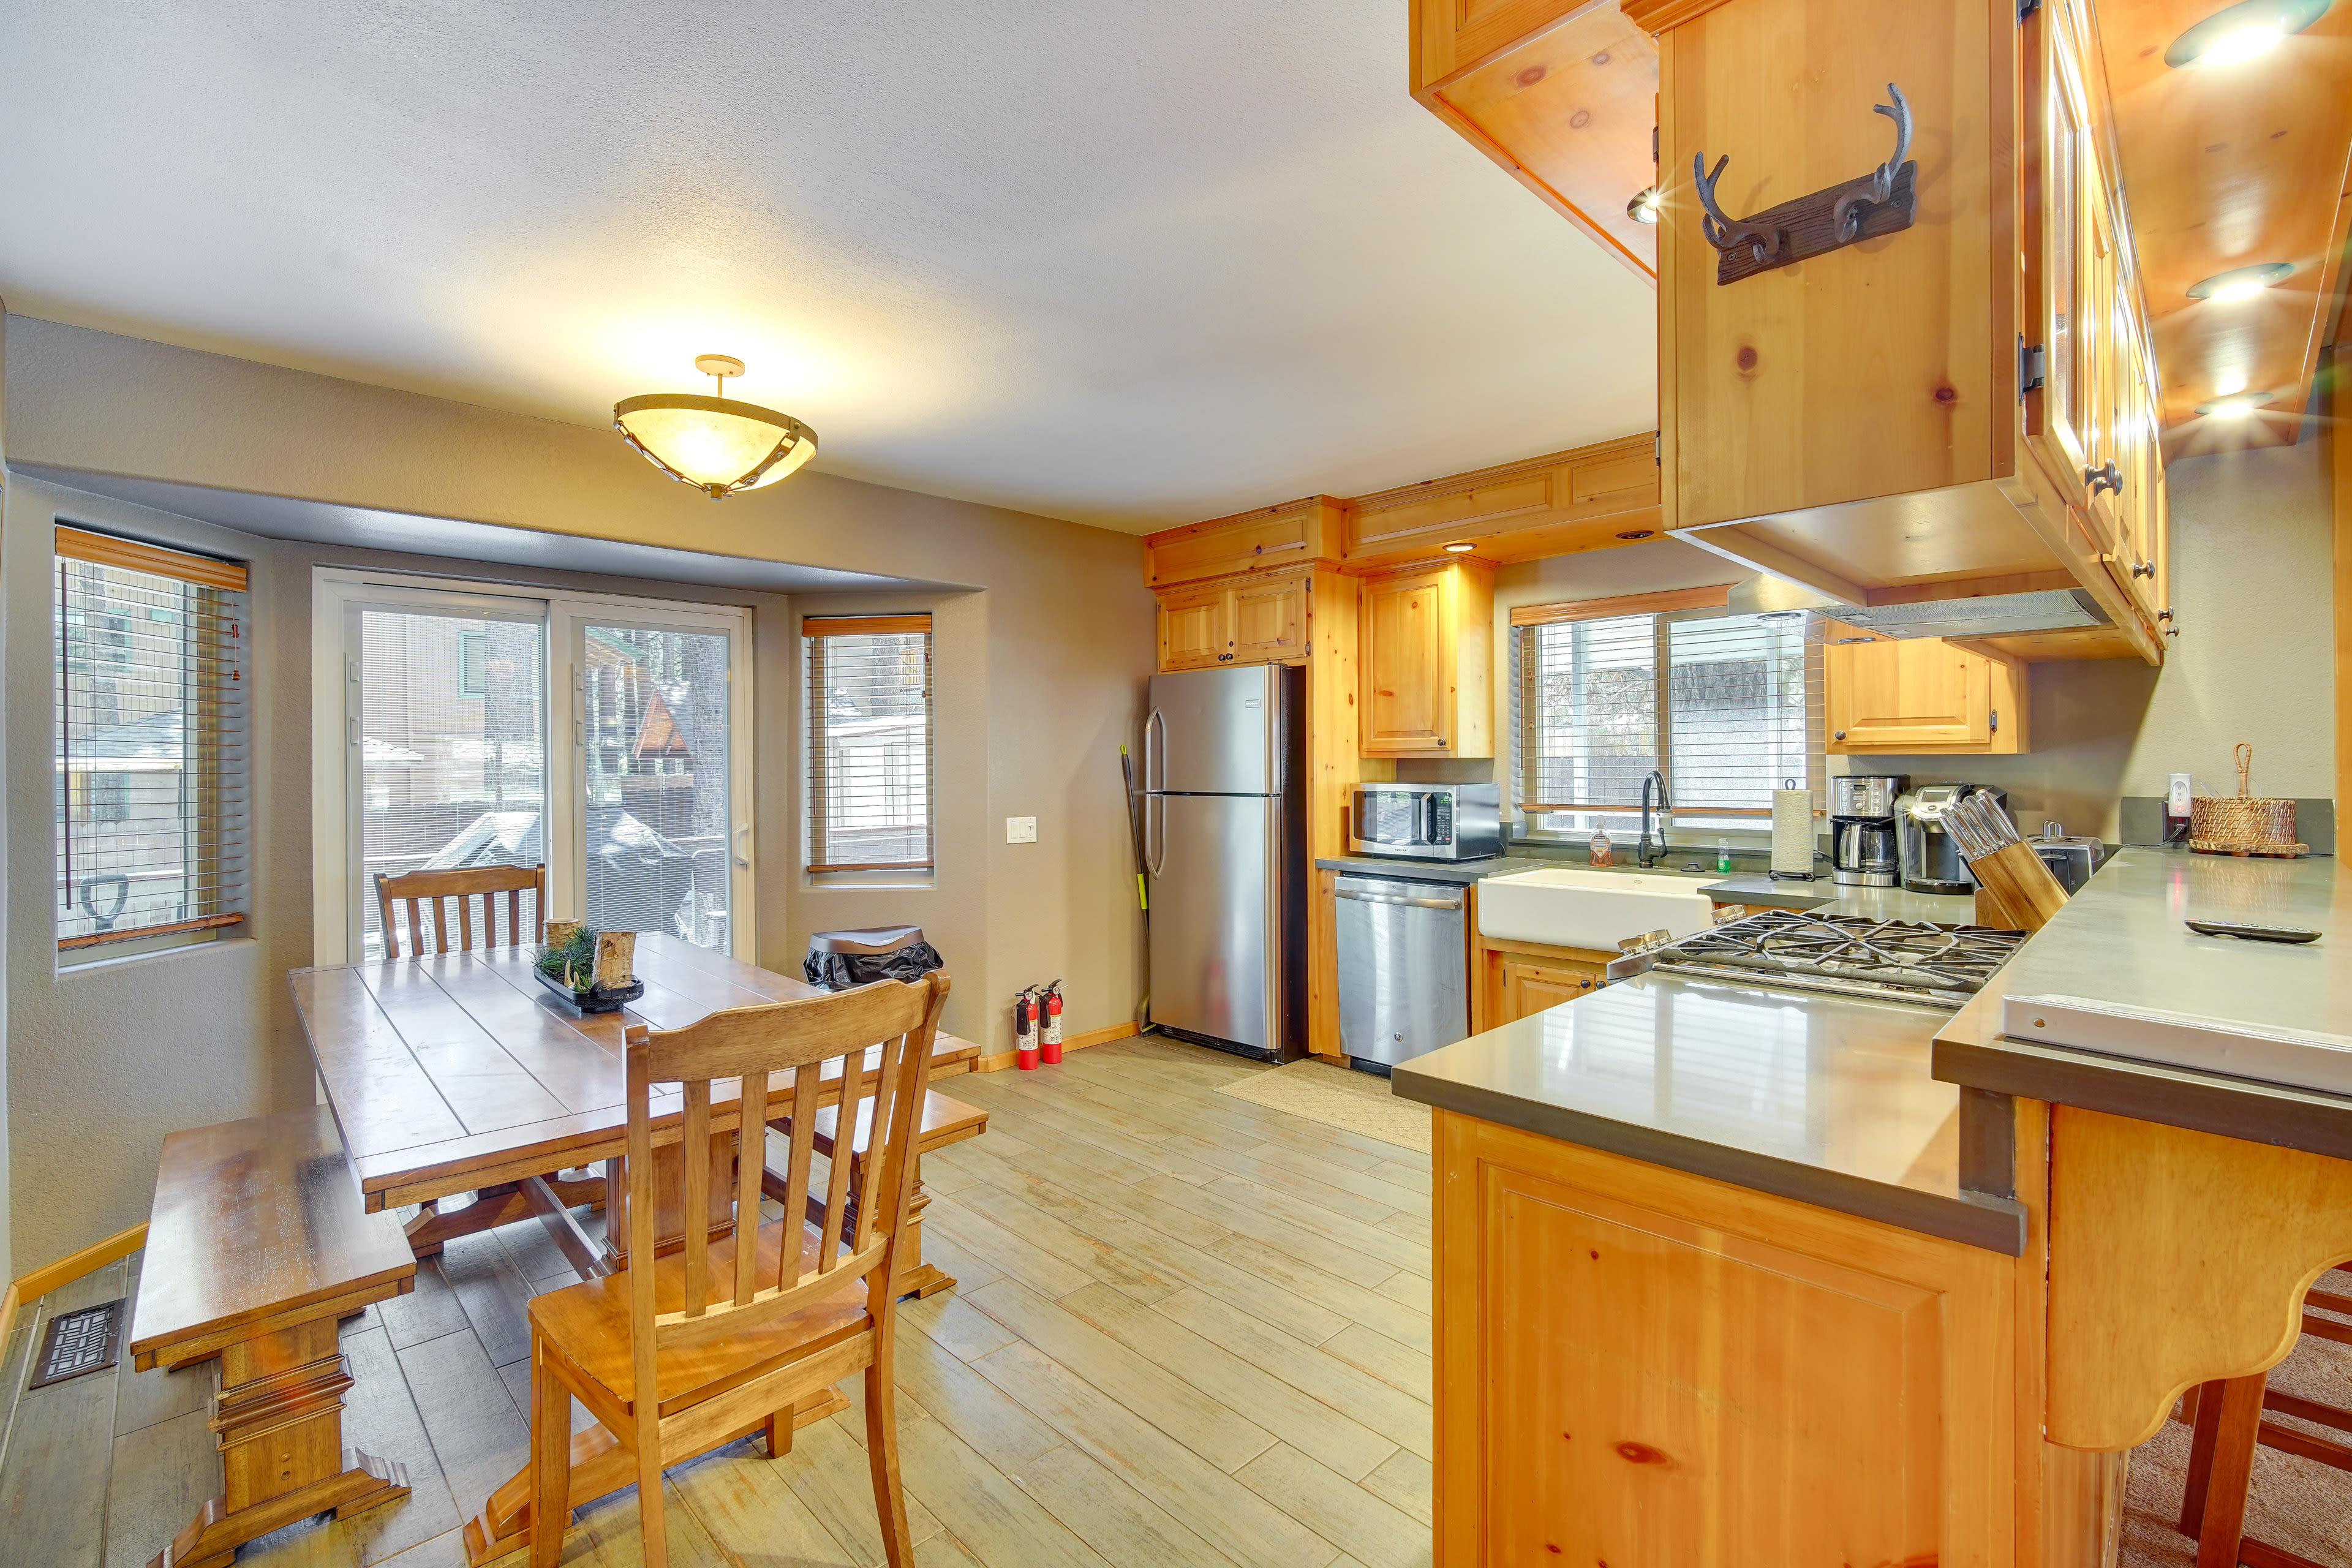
x: 1839, y: 736
x: 2143, y: 568
x: 2107, y: 479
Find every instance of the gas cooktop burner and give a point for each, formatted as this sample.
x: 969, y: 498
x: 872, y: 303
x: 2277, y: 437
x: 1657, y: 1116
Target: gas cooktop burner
x: 1941, y: 964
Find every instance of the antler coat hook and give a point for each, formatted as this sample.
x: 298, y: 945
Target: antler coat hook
x: 1883, y: 202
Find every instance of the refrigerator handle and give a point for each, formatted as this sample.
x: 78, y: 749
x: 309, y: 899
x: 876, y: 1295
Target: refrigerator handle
x: 1152, y: 781
x: 1159, y: 863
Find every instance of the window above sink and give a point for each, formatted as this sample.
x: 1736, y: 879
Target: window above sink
x: 1728, y: 707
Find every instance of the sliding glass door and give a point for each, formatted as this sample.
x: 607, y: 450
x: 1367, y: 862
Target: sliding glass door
x: 657, y: 819
x: 439, y: 745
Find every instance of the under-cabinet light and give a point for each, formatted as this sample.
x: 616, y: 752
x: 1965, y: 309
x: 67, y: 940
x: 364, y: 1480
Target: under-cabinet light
x: 2240, y: 282
x: 1461, y: 547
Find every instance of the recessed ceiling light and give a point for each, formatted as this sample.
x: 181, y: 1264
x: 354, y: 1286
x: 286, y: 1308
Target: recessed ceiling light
x: 2236, y: 408
x: 1644, y: 207
x: 2240, y: 282
x: 1639, y: 534
x: 1462, y: 547
x: 2242, y: 32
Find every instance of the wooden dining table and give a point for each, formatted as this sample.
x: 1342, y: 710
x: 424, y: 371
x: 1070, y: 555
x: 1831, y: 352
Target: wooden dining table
x: 460, y: 1073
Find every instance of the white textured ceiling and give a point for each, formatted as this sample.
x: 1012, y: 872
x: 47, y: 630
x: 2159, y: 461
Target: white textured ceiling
x: 1131, y: 263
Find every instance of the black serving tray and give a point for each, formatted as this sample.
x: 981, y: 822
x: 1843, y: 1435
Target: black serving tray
x: 597, y: 999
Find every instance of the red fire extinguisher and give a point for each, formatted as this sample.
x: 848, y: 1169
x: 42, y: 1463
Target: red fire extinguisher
x: 1024, y: 1038
x: 1050, y: 1039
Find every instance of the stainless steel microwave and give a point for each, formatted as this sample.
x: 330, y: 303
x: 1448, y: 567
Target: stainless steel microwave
x: 1426, y: 821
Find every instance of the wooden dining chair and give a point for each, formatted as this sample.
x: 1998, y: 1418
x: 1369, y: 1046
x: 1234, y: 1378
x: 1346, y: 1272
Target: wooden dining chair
x: 679, y: 1353
x: 435, y: 891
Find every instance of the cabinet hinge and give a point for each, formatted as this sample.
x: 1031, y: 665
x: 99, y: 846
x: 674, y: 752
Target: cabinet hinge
x: 2026, y: 8
x: 1657, y: 449
x: 1993, y: 725
x: 2031, y: 367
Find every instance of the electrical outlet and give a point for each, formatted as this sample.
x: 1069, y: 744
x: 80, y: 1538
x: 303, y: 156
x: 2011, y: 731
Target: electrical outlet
x: 1021, y: 830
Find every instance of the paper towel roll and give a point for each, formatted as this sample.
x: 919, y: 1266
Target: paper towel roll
x: 1792, y: 832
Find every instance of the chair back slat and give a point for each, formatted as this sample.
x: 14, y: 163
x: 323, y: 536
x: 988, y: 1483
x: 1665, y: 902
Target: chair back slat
x: 427, y: 897
x: 694, y: 1160
x: 807, y: 1086
x: 751, y: 1098
x: 747, y: 1045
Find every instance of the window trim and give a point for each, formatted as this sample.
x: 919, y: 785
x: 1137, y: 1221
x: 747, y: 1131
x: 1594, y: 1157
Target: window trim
x: 231, y: 808
x: 816, y: 629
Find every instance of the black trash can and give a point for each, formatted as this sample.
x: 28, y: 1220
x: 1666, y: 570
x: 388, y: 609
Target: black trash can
x: 838, y: 960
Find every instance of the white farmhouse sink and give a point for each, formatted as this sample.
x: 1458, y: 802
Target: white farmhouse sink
x: 1565, y: 907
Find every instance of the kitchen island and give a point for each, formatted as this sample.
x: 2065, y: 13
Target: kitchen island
x: 1737, y: 1275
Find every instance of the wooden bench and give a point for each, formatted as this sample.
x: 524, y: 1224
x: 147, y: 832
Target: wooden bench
x: 259, y: 1242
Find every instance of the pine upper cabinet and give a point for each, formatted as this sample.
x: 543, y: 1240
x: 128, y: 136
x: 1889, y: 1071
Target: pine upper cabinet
x: 1960, y: 407
x: 1921, y: 695
x: 1195, y: 626
x: 1426, y: 646
x: 1234, y: 620
x: 1269, y: 619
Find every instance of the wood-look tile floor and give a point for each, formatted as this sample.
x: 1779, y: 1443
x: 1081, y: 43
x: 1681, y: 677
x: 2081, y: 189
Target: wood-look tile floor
x: 1186, y: 1330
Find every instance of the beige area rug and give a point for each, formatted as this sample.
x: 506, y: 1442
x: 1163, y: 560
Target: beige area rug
x: 1358, y: 1102
x: 2296, y: 1503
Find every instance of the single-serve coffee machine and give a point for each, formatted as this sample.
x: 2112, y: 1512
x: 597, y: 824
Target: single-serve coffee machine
x: 1932, y: 862
x: 1863, y: 849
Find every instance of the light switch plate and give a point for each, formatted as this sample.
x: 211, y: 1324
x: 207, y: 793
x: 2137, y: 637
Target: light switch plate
x: 1021, y: 830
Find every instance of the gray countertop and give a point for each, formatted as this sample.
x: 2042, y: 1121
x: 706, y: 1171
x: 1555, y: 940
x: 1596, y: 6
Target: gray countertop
x: 2122, y: 940
x: 1825, y: 1099
x: 1878, y: 903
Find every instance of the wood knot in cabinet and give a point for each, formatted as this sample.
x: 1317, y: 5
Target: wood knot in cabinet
x: 1946, y: 396
x: 1746, y: 359
x: 1642, y: 1453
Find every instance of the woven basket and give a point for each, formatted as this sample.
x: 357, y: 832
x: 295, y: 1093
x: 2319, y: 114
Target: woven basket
x: 2245, y: 823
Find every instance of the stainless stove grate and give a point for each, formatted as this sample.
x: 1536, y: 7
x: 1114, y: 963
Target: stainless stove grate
x: 1914, y: 960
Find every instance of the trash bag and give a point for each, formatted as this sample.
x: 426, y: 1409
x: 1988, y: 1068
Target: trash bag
x: 840, y: 971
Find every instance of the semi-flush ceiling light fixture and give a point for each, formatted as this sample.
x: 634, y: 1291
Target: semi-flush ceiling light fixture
x: 2240, y: 282
x: 715, y: 443
x: 1462, y: 547
x: 2238, y: 33
x: 1644, y: 207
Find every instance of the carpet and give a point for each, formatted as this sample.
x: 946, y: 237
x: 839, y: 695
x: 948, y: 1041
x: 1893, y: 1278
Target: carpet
x: 1339, y: 1097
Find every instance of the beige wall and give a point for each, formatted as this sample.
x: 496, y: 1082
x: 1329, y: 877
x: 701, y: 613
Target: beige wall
x: 1041, y: 664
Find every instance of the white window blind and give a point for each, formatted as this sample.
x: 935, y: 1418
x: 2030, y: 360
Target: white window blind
x: 1726, y: 706
x: 151, y: 764
x: 869, y: 742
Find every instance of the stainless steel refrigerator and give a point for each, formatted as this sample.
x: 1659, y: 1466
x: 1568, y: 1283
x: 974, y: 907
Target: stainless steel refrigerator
x: 1224, y: 854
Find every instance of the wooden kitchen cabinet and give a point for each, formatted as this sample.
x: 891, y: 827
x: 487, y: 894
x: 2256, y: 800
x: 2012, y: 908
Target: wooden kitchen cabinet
x: 1247, y: 620
x: 1593, y: 497
x: 1510, y: 980
x: 1426, y: 646
x: 1270, y: 538
x: 1931, y: 412
x: 1921, y: 695
x: 1635, y: 1364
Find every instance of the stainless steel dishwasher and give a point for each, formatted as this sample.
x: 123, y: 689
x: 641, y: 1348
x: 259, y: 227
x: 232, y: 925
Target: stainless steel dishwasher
x: 1404, y: 961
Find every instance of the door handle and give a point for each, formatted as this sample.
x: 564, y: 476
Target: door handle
x: 1393, y: 899
x: 743, y: 854
x: 2107, y: 479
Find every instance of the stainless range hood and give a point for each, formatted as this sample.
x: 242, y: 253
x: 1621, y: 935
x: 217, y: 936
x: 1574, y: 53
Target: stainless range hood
x: 1988, y: 616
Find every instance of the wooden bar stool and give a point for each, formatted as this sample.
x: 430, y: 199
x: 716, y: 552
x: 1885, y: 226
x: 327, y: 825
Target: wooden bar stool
x: 2226, y: 1419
